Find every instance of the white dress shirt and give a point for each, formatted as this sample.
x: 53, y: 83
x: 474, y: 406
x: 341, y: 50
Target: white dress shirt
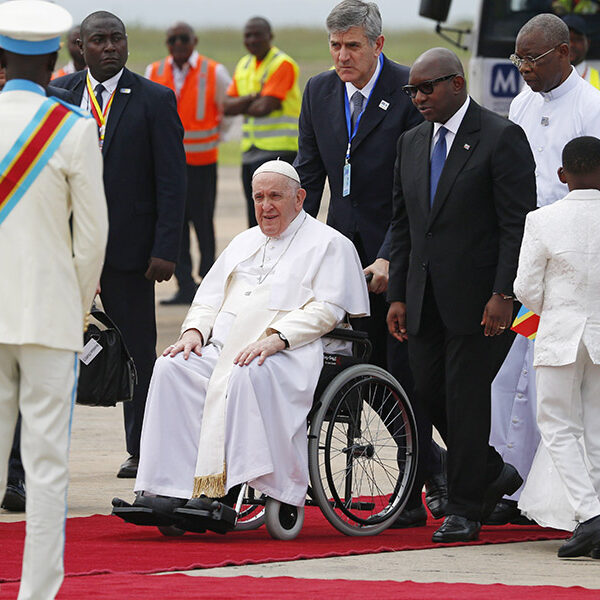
x: 452, y: 125
x: 366, y: 90
x: 550, y: 120
x: 110, y: 85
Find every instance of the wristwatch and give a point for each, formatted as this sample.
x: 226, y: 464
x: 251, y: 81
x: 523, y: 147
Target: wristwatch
x: 505, y: 296
x: 283, y: 339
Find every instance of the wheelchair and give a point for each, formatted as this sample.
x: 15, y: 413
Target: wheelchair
x: 362, y: 453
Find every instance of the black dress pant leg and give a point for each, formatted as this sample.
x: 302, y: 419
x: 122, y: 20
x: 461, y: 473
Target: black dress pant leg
x: 453, y: 376
x: 128, y: 299
x: 15, y: 465
x: 201, y: 198
x: 183, y: 267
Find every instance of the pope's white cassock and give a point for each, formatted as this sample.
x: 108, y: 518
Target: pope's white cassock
x: 206, y: 411
x: 558, y: 278
x: 550, y: 120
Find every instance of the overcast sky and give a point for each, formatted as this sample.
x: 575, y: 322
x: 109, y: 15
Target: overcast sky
x: 396, y: 14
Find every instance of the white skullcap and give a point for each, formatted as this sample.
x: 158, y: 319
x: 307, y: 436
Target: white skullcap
x: 278, y: 166
x: 32, y: 27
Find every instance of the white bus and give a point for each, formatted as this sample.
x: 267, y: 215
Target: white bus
x: 493, y: 80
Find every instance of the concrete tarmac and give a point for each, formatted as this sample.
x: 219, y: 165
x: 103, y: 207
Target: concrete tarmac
x: 98, y: 448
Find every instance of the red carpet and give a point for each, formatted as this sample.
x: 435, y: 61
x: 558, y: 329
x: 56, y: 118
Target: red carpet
x: 104, y: 544
x: 178, y: 587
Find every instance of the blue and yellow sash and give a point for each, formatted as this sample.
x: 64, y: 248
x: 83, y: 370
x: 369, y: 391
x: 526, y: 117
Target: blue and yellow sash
x: 32, y: 151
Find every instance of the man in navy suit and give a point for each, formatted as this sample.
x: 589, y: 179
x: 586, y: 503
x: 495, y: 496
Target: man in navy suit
x: 144, y: 179
x: 362, y: 101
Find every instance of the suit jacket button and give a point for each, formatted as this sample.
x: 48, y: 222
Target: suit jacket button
x: 429, y: 234
x: 424, y: 266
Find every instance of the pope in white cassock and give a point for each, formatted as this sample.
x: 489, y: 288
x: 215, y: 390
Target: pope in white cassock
x: 228, y: 401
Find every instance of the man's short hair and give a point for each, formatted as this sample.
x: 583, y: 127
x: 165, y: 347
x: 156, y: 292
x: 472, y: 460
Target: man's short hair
x: 581, y: 155
x: 551, y: 29
x: 355, y: 13
x: 96, y: 16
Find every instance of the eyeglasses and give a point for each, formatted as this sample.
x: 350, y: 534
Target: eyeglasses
x: 184, y: 38
x: 528, y: 60
x: 425, y: 87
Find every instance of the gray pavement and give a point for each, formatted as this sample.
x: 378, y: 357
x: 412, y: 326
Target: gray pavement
x: 98, y: 448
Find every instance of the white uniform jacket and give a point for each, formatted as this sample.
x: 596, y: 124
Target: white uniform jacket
x: 48, y: 272
x: 559, y: 277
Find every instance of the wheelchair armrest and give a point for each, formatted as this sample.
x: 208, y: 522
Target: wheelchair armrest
x: 350, y: 335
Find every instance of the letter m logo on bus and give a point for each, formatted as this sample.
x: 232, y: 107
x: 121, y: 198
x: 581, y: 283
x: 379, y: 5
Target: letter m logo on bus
x: 505, y: 80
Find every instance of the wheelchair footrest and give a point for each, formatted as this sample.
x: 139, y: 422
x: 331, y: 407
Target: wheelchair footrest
x: 140, y: 515
x: 220, y: 518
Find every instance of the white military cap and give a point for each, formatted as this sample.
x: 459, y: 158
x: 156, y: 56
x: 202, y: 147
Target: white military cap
x: 278, y: 166
x: 32, y: 27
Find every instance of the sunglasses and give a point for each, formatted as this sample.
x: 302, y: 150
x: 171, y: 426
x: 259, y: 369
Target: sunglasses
x: 184, y: 38
x: 426, y: 87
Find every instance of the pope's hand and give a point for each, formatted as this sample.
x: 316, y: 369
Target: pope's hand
x: 380, y: 270
x: 190, y: 341
x: 263, y: 348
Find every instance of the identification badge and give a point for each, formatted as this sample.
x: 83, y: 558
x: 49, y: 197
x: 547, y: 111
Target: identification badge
x: 90, y: 351
x: 346, y: 185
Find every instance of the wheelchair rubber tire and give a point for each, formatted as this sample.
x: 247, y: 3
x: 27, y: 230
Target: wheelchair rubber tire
x: 331, y: 398
x: 283, y: 521
x: 257, y: 520
x: 170, y: 530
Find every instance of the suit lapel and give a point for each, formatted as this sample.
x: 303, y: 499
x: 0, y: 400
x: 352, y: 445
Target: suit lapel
x: 383, y: 93
x: 119, y: 103
x: 463, y: 146
x: 79, y: 87
x: 334, y: 101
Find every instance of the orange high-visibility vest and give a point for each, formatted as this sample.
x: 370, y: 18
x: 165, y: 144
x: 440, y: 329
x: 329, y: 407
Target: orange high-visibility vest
x: 197, y: 107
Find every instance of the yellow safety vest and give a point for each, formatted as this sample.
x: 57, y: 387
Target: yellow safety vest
x: 279, y: 129
x: 595, y: 78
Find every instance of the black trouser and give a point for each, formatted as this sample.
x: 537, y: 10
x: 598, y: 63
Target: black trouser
x: 247, y: 172
x: 453, y: 376
x: 128, y: 299
x: 392, y: 355
x: 199, y: 211
x: 15, y: 466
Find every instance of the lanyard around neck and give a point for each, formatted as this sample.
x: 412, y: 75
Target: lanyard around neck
x: 98, y: 115
x: 352, y: 134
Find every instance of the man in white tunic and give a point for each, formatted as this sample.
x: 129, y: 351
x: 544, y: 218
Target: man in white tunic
x: 228, y: 402
x: 558, y: 278
x: 50, y: 175
x: 554, y: 107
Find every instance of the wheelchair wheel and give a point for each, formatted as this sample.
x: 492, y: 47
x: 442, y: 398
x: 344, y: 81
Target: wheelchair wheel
x: 284, y: 521
x: 362, y: 450
x: 252, y: 512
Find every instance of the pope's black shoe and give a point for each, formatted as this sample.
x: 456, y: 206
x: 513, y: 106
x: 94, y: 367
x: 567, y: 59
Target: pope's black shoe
x: 585, y: 537
x: 507, y: 483
x: 14, y: 497
x: 148, y: 510
x: 200, y: 514
x: 457, y: 529
x: 410, y: 517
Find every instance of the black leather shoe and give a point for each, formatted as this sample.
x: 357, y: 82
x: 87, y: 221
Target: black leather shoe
x: 200, y: 514
x: 128, y: 470
x: 507, y: 483
x: 595, y: 552
x: 410, y: 517
x: 181, y: 297
x: 436, y: 494
x: 457, y: 529
x: 506, y: 511
x: 14, y: 497
x: 585, y: 537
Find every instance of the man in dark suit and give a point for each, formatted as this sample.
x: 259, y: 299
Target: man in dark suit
x: 362, y: 101
x: 464, y: 181
x: 144, y: 179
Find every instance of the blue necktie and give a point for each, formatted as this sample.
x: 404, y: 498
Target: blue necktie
x: 438, y: 158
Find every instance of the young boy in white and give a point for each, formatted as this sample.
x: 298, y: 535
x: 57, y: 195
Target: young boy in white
x: 559, y: 279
